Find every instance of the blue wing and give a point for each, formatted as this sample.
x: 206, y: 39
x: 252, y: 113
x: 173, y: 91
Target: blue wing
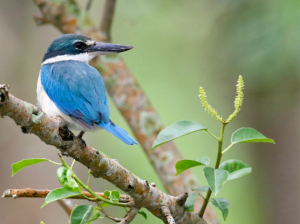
x: 78, y: 90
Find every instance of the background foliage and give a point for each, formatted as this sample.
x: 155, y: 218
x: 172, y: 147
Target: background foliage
x: 179, y: 45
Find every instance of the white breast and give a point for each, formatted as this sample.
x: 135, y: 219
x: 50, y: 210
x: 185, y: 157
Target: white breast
x: 49, y: 107
x: 45, y: 103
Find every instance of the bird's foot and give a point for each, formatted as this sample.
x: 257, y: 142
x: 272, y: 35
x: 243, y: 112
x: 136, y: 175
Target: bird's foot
x: 65, y: 133
x: 83, y: 144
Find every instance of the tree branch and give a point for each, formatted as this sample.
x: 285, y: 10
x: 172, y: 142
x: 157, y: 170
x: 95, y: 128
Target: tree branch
x: 67, y: 205
x: 88, y: 5
x: 166, y: 211
x: 56, y: 15
x: 42, y: 193
x: 107, y: 18
x: 130, y: 216
x: 107, y: 215
x: 53, y: 131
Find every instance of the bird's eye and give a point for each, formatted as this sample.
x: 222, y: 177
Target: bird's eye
x: 79, y: 45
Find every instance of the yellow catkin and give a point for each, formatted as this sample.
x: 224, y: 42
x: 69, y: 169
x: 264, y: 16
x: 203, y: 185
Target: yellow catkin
x: 238, y: 99
x: 207, y: 107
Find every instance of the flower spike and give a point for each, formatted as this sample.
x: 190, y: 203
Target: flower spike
x: 238, y: 99
x: 207, y: 107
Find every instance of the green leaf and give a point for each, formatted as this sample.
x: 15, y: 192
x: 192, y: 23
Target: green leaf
x: 203, y: 189
x: 216, y: 178
x: 185, y: 164
x: 107, y: 194
x: 66, y: 180
x: 176, y: 130
x: 143, y: 214
x: 81, y: 214
x: 190, y: 201
x: 58, y: 194
x: 204, y: 159
x: 113, y: 196
x: 249, y: 135
x: 236, y: 168
x: 104, y: 204
x: 96, y: 215
x: 222, y: 204
x: 16, y: 167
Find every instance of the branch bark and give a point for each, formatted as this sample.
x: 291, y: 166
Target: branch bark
x: 67, y: 205
x: 42, y: 193
x: 166, y: 211
x: 130, y: 216
x: 53, y: 131
x: 107, y: 18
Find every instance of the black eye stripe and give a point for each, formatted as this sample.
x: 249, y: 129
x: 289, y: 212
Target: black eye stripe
x: 80, y: 45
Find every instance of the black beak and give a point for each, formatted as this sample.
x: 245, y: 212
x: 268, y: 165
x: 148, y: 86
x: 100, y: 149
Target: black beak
x: 107, y: 48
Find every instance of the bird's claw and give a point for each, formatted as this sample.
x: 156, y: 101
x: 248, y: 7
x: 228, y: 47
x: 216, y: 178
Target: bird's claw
x: 82, y: 142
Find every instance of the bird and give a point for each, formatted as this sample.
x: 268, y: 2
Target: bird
x: 72, y: 89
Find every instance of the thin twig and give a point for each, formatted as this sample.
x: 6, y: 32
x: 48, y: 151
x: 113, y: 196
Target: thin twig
x: 130, y: 216
x: 88, y: 5
x: 107, y: 215
x: 67, y: 205
x: 166, y: 211
x: 180, y: 199
x: 207, y: 198
x: 79, y: 182
x: 107, y: 18
x: 42, y: 193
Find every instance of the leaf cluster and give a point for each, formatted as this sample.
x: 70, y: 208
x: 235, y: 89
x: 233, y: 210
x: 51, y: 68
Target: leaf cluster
x: 72, y: 186
x: 218, y: 175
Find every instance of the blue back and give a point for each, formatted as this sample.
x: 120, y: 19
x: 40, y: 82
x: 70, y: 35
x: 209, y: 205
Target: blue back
x: 77, y: 89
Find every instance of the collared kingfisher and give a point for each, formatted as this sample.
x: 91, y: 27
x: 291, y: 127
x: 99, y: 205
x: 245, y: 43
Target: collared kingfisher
x: 69, y: 87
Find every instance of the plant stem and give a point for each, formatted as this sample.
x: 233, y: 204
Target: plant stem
x: 207, y: 198
x: 205, y: 202
x: 212, y: 135
x: 54, y: 162
x: 220, y: 146
x: 201, y: 196
x: 73, y: 164
x: 96, y: 196
x: 225, y: 150
x: 88, y: 5
x: 88, y: 182
x: 90, y: 199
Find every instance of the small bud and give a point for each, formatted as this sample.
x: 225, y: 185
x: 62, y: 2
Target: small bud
x: 238, y: 99
x: 207, y: 107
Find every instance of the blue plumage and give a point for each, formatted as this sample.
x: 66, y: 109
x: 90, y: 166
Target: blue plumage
x: 78, y: 91
x: 69, y: 87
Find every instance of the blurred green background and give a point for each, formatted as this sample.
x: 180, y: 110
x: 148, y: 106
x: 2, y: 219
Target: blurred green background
x: 179, y: 46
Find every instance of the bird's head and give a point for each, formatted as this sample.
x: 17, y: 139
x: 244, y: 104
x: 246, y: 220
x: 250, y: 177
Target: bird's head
x: 78, y: 47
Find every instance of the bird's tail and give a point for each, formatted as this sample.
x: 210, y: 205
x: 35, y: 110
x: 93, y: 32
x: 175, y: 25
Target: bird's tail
x: 118, y: 132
